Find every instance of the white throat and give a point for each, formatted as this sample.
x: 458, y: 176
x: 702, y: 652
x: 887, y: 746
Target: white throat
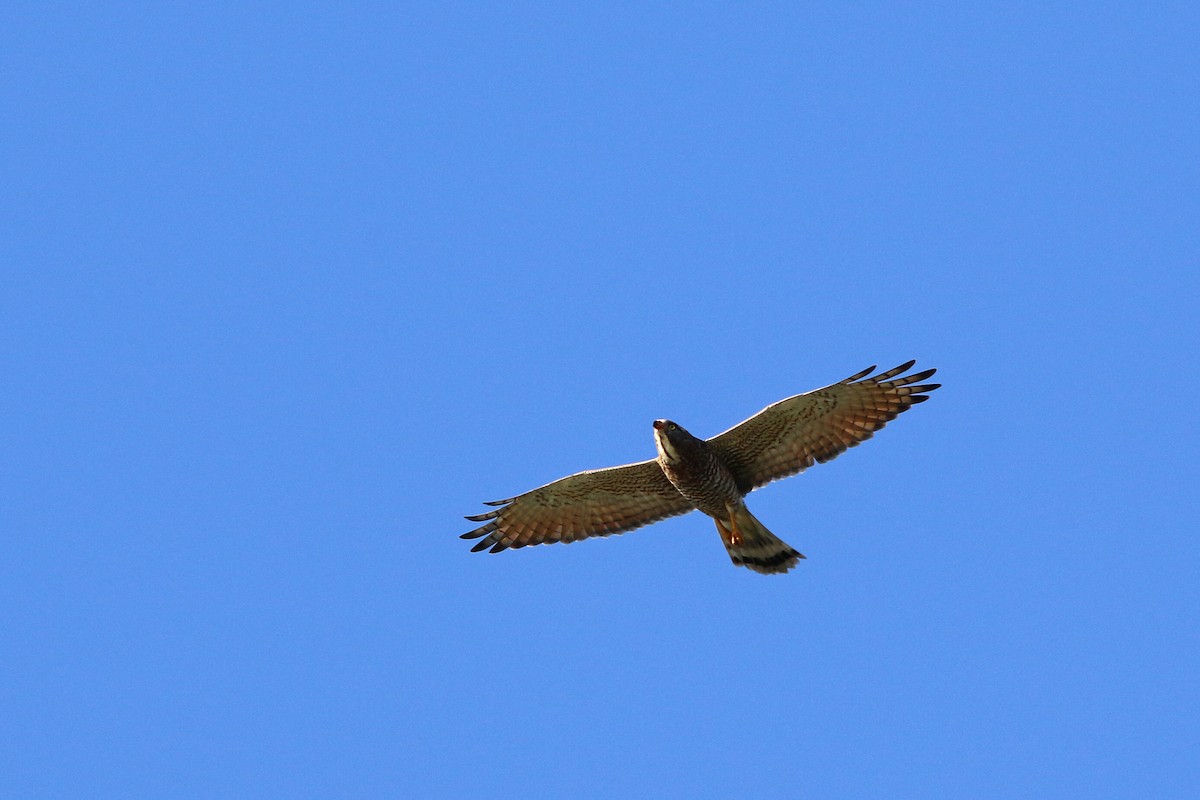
x: 665, y: 450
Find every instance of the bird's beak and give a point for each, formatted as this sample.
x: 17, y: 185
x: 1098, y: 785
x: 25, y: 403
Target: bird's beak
x: 659, y: 424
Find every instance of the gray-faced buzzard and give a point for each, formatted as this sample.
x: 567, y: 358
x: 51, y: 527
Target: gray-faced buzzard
x: 712, y: 475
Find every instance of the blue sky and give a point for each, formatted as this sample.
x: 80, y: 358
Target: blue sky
x: 287, y: 290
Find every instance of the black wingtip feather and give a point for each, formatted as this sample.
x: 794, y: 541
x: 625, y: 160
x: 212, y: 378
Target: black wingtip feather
x: 859, y: 375
x: 484, y: 545
x: 893, y: 372
x: 916, y: 376
x: 475, y: 534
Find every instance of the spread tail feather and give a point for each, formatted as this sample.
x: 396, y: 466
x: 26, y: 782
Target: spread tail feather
x: 751, y: 545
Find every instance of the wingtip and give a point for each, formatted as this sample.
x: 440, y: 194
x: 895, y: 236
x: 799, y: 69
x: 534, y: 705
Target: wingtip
x: 482, y: 530
x: 919, y: 376
x: 919, y: 394
x: 860, y: 375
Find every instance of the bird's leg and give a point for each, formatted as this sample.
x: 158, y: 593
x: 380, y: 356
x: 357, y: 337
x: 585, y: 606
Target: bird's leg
x: 735, y: 535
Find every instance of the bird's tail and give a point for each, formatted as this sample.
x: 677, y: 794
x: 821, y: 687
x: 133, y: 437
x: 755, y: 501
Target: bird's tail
x: 751, y: 545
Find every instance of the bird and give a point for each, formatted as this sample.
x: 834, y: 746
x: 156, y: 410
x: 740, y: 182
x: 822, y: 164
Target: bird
x: 710, y: 475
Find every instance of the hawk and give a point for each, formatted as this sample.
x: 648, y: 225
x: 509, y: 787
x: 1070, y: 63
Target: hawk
x: 712, y: 475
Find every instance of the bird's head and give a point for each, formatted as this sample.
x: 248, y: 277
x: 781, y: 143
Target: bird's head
x: 671, y: 439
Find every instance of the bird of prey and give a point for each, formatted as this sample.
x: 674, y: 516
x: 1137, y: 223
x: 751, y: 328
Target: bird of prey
x: 712, y: 475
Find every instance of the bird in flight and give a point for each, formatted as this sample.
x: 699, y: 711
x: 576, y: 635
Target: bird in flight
x: 712, y: 475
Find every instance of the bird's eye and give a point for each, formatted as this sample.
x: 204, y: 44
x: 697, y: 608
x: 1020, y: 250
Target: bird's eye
x: 672, y: 426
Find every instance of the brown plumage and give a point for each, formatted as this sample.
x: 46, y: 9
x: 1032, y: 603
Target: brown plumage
x: 710, y: 475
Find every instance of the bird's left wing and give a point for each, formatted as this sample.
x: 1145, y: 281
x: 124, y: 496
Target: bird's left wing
x: 789, y: 436
x: 595, y: 503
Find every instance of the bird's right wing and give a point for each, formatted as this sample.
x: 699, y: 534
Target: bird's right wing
x: 595, y: 503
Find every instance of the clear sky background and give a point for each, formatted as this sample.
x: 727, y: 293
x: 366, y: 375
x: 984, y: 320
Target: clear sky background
x: 289, y: 289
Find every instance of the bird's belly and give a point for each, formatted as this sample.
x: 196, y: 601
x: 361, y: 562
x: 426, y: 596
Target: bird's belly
x: 710, y: 489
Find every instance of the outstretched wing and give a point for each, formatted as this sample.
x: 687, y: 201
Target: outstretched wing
x: 596, y: 503
x: 791, y: 435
